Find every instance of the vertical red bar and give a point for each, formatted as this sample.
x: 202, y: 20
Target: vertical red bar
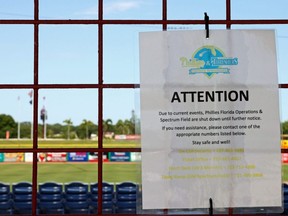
x: 228, y: 26
x: 164, y: 15
x: 35, y: 108
x: 100, y: 104
x: 164, y: 28
x: 228, y: 14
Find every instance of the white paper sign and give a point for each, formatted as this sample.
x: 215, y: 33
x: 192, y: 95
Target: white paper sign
x: 210, y: 122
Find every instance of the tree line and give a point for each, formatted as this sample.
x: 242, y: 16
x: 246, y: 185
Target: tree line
x: 67, y: 130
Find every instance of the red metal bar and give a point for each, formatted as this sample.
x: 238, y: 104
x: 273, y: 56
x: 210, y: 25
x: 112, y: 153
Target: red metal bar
x: 146, y: 22
x: 35, y: 109
x: 100, y: 105
x: 164, y: 14
x: 228, y: 13
x: 71, y: 150
x: 283, y: 85
x: 68, y: 86
x: 228, y: 26
x: 82, y: 86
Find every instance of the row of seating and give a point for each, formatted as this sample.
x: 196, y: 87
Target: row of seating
x: 71, y: 198
x: 76, y: 198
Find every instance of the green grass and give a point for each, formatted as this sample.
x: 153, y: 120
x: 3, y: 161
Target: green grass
x: 85, y: 172
x: 68, y: 172
x: 4, y: 144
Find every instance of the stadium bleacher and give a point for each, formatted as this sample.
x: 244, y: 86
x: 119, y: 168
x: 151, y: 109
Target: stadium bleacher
x: 78, y: 198
x: 70, y: 198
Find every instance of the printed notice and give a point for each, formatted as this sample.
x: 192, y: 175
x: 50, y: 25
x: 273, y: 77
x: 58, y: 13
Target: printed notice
x: 210, y: 119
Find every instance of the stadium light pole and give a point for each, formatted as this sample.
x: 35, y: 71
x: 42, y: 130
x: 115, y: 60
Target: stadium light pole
x: 19, y: 114
x: 31, y: 102
x: 45, y: 117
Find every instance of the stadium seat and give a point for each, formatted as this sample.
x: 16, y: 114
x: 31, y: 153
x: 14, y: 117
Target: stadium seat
x: 76, y: 188
x: 22, y: 198
x: 51, y: 207
x: 126, y: 188
x: 126, y: 207
x: 4, y: 188
x: 22, y: 188
x: 77, y: 207
x: 107, y: 198
x: 107, y: 188
x: 285, y: 194
x: 50, y: 188
x: 6, y: 207
x: 126, y: 198
x: 50, y: 195
x: 76, y: 199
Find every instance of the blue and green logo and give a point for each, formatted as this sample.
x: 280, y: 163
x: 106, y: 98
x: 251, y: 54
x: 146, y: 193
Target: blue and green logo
x: 208, y: 60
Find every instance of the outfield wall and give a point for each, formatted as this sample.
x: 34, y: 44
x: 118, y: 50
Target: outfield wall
x: 71, y: 157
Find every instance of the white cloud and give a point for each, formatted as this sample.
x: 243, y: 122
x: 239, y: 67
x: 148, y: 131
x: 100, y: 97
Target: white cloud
x: 121, y: 6
x: 92, y: 11
x: 111, y: 7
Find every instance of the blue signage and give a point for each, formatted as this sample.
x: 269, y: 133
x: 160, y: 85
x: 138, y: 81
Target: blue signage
x: 77, y: 156
x: 120, y: 156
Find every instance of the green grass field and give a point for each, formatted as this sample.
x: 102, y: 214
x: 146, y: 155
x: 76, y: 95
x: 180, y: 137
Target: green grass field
x: 4, y: 144
x: 85, y: 172
x: 72, y: 171
x: 75, y: 171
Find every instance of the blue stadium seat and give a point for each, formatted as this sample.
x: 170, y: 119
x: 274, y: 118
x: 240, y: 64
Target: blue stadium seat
x: 107, y: 188
x: 76, y: 188
x: 77, y: 207
x: 50, y: 196
x: 50, y: 188
x: 285, y: 193
x: 126, y: 198
x: 6, y: 204
x: 22, y: 198
x: 22, y: 188
x: 51, y: 207
x: 22, y: 207
x: 6, y: 207
x: 107, y: 198
x: 4, y: 188
x: 5, y: 197
x: 76, y: 199
x: 126, y: 188
x: 126, y: 207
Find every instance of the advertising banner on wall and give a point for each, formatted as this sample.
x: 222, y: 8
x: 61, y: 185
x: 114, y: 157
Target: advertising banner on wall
x: 1, y: 157
x: 77, y: 156
x: 14, y: 157
x: 93, y: 157
x: 41, y: 157
x: 119, y: 156
x: 210, y: 125
x: 56, y: 157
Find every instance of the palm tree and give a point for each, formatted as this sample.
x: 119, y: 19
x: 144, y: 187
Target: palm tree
x: 68, y: 122
x: 120, y: 127
x: 107, y: 125
x: 87, y: 124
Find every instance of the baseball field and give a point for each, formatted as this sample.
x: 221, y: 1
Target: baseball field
x: 64, y: 172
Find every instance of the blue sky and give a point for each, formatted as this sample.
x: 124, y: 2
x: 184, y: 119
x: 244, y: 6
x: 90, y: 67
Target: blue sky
x: 68, y: 53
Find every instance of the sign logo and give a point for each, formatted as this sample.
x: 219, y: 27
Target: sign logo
x: 208, y: 60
